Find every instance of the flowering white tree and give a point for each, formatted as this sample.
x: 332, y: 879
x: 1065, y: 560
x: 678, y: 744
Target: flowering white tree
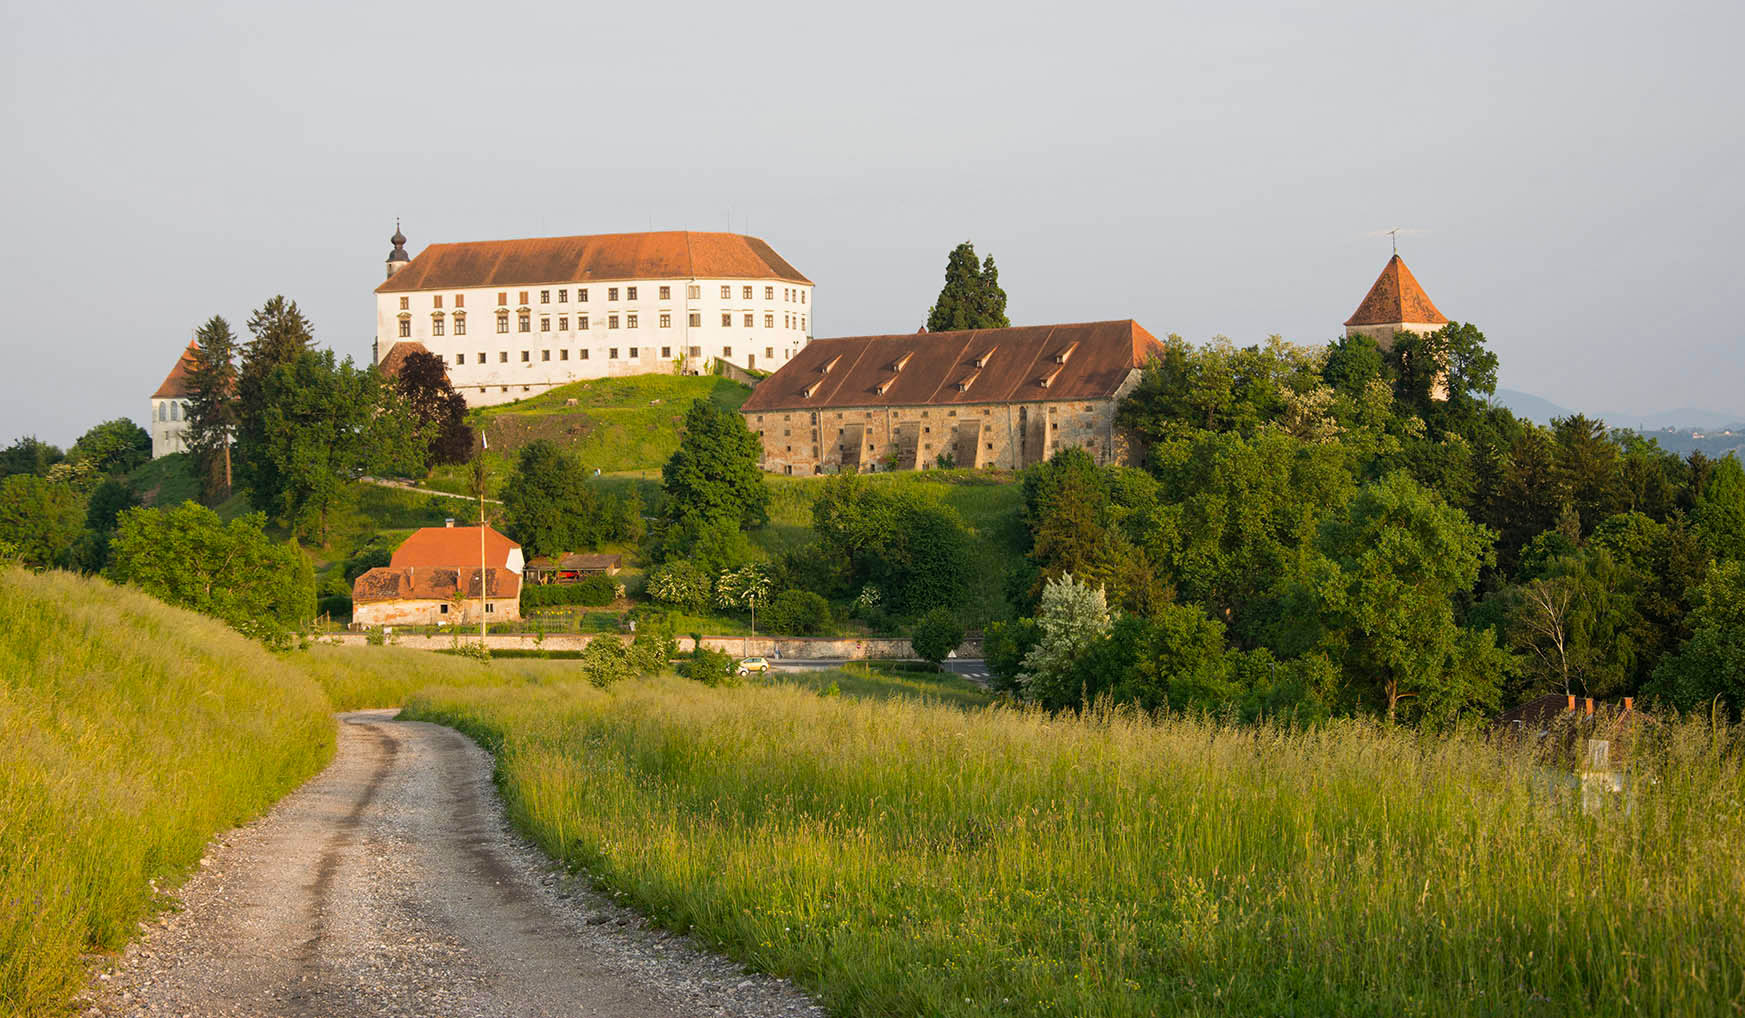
x: 1073, y: 616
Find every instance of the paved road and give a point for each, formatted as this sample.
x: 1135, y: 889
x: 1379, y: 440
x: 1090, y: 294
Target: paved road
x: 391, y: 885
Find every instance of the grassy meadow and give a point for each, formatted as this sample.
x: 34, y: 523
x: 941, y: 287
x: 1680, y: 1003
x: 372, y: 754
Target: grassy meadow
x: 130, y: 733
x: 902, y: 857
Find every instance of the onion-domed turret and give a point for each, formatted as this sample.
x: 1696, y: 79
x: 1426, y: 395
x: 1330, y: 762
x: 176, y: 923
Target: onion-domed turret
x: 397, y: 258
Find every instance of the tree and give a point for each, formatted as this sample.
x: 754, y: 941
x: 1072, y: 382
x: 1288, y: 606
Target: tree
x: 40, y: 518
x: 1352, y: 363
x: 102, y: 515
x: 971, y: 297
x: 186, y: 556
x: 113, y: 447
x: 548, y: 504
x: 936, y: 635
x: 681, y: 584
x: 1072, y: 618
x: 714, y: 474
x: 212, y: 405
x: 1175, y: 657
x: 423, y: 382
x: 797, y: 613
x: 1720, y: 510
x: 1393, y: 561
x: 1005, y: 644
x: 281, y: 335
x: 1711, y: 664
x: 29, y: 455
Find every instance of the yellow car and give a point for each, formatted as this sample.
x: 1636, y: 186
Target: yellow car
x: 753, y: 664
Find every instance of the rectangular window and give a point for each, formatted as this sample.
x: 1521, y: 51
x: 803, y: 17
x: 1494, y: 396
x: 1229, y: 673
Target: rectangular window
x: 802, y: 296
x: 563, y: 296
x: 745, y: 293
x: 696, y: 351
x: 545, y: 296
x: 666, y: 293
x: 769, y: 352
x: 581, y: 355
x: 489, y: 607
x: 693, y: 292
x: 503, y: 322
x: 436, y: 326
x: 502, y: 298
x: 563, y: 323
x: 545, y: 355
x: 525, y: 323
x: 405, y: 303
x: 666, y: 320
x: 581, y: 323
x: 769, y: 293
x: 611, y: 321
x: 460, y: 358
x: 630, y: 293
x: 748, y: 319
x: 726, y: 319
x: 544, y: 323
x: 405, y: 327
x: 726, y: 292
x: 630, y: 320
x: 769, y: 319
x: 481, y: 356
x: 526, y: 355
x: 460, y: 325
x: 695, y: 319
x: 438, y: 299
x: 611, y: 293
x: 523, y: 299
x: 666, y: 352
x: 802, y: 323
x: 443, y: 608
x: 502, y: 356
x: 632, y: 353
x: 460, y: 300
x: 582, y: 295
x: 564, y: 354
x: 726, y: 351
x: 612, y: 354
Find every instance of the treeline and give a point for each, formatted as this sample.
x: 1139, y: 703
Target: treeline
x: 1346, y: 529
x: 274, y: 420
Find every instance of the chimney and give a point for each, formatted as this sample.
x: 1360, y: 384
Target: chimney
x: 1589, y: 702
x: 450, y: 522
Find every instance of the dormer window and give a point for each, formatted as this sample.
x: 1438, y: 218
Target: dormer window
x: 982, y: 361
x: 824, y: 369
x: 807, y: 392
x: 883, y: 386
x: 900, y: 361
x: 1060, y: 358
x: 1047, y: 379
x: 968, y: 380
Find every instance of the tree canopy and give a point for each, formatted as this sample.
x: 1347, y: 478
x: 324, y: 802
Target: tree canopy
x: 971, y: 297
x: 714, y: 474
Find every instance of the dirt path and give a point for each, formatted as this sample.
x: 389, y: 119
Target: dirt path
x: 391, y: 885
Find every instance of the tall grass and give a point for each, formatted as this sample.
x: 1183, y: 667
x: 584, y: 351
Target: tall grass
x: 902, y: 858
x: 355, y: 678
x: 130, y: 733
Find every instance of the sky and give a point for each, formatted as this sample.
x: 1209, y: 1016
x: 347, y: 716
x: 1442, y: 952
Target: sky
x: 1566, y: 175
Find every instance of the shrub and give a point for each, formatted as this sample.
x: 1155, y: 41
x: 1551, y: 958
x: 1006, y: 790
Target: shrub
x: 680, y: 584
x: 590, y: 592
x: 936, y: 635
x: 596, y: 591
x: 797, y: 613
x: 604, y: 661
x: 710, y: 667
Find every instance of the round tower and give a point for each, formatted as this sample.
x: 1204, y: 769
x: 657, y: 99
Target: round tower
x: 397, y: 258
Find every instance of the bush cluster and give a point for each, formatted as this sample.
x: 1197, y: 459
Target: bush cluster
x: 589, y: 591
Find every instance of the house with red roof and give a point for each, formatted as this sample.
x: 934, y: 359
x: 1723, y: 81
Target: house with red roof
x: 436, y: 577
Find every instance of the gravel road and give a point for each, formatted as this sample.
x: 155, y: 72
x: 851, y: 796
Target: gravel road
x: 391, y: 884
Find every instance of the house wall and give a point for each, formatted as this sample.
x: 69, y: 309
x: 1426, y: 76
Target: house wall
x: 555, y: 356
x: 169, y: 426
x: 430, y: 612
x: 1007, y: 436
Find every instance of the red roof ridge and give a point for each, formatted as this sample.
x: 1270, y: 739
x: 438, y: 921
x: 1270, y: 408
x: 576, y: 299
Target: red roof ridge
x: 603, y: 257
x: 1396, y: 298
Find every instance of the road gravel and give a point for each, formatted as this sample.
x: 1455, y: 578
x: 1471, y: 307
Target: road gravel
x: 392, y: 885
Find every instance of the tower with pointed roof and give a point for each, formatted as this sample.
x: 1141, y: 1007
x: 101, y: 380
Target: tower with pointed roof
x: 1396, y: 303
x: 169, y: 406
x: 398, y: 258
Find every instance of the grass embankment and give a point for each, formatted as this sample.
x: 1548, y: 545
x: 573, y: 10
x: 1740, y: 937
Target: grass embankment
x: 130, y: 733
x: 903, y: 858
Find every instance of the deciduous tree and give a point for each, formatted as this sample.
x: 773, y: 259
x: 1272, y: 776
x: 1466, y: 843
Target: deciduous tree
x: 714, y: 474
x: 548, y: 504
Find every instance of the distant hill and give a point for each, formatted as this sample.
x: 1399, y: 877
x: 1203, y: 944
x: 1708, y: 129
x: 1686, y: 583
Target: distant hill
x: 1542, y: 410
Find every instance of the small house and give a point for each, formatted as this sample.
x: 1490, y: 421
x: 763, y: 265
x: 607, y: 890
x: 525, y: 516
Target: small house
x: 436, y: 577
x: 571, y: 568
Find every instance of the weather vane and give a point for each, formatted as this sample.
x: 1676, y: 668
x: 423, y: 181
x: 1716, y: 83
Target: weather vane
x: 1394, y: 234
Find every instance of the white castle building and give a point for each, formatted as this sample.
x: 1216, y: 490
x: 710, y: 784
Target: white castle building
x: 512, y: 318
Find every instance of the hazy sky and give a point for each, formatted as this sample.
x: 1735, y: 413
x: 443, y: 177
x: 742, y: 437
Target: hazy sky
x: 1572, y: 171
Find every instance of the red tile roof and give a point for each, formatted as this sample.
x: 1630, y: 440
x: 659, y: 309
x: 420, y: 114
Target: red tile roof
x: 176, y: 382
x: 420, y: 583
x: 397, y: 355
x: 432, y: 547
x: 1396, y: 299
x: 1083, y: 361
x: 677, y: 254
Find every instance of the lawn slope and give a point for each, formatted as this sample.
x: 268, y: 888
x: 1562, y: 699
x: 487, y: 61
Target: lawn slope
x: 130, y: 733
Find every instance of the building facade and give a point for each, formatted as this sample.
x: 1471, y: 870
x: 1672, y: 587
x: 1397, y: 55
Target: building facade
x: 1002, y: 398
x: 435, y: 578
x: 169, y: 408
x: 514, y: 318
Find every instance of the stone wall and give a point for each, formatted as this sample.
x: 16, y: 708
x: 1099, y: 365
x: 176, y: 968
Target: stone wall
x: 431, y: 613
x: 1007, y: 436
x: 788, y: 648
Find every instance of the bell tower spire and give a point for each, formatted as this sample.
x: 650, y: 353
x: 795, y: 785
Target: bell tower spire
x: 397, y: 258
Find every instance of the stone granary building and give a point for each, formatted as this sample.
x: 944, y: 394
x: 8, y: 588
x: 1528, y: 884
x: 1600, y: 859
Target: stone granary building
x: 1003, y: 398
x: 433, y: 579
x: 513, y: 318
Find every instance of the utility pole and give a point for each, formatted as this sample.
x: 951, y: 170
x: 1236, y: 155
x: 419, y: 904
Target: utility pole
x: 484, y: 444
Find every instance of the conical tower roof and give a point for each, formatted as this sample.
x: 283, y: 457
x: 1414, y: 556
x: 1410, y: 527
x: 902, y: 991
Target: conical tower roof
x: 176, y: 382
x: 1396, y: 299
